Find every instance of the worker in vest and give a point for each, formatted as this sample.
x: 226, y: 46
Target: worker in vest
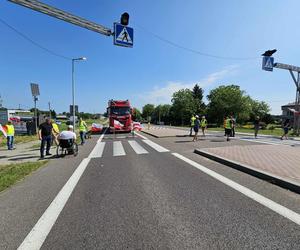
x: 10, y: 133
x: 203, y: 124
x: 228, y: 127
x: 55, y: 132
x: 82, y: 130
x: 193, y: 119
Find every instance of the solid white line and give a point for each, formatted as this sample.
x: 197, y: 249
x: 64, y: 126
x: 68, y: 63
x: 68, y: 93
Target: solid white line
x: 98, y: 150
x: 137, y: 147
x: 36, y: 237
x: 143, y: 137
x: 157, y: 147
x: 38, y: 234
x: 285, y: 212
x: 118, y: 149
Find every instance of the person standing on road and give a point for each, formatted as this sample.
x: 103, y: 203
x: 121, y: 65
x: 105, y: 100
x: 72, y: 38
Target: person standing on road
x: 256, y: 126
x: 82, y: 130
x: 196, y: 128
x: 228, y: 127
x: 233, y: 121
x: 193, y: 118
x: 10, y: 134
x: 45, y: 135
x: 286, y: 126
x: 203, y: 124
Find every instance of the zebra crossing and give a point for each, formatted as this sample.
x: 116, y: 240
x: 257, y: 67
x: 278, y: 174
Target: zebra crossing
x: 271, y: 141
x: 119, y: 148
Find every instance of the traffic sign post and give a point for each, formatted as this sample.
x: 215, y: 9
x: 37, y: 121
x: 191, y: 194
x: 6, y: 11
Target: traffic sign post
x: 267, y: 63
x: 35, y: 91
x: 123, y: 35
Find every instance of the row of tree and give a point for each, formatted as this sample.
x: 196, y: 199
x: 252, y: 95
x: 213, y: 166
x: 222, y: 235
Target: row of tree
x: 222, y: 101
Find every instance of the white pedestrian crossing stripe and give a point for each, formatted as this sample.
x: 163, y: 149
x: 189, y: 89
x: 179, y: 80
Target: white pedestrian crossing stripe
x: 137, y: 147
x: 98, y: 150
x: 118, y: 149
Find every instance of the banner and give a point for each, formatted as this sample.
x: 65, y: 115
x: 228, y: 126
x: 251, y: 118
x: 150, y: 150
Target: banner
x: 118, y: 125
x: 3, y: 131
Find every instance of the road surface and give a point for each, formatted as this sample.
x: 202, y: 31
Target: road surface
x: 147, y: 193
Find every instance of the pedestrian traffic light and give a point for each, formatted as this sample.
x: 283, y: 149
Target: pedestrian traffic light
x: 125, y: 18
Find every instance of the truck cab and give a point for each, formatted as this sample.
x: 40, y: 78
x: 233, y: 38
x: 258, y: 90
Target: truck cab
x: 120, y: 115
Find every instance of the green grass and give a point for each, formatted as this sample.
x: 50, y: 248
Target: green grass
x: 275, y: 132
x: 20, y: 139
x: 10, y: 174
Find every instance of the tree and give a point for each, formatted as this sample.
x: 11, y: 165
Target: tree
x: 228, y: 100
x: 198, y: 97
x: 183, y: 106
x: 136, y: 115
x: 162, y: 113
x: 148, y: 110
x: 261, y: 109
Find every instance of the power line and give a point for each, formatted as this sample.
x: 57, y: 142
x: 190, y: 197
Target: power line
x: 193, y: 50
x: 33, y: 42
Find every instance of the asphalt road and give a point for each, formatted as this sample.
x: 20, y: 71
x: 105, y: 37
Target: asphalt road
x: 135, y: 194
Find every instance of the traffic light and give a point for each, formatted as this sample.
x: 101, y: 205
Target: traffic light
x: 125, y: 18
x: 269, y: 52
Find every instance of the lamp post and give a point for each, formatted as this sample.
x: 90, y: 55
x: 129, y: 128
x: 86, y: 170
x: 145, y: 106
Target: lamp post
x: 73, y: 87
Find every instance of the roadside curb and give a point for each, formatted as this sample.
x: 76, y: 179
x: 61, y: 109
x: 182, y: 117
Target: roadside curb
x: 274, y: 179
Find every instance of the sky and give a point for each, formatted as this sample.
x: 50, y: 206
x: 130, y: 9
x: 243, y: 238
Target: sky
x: 238, y: 31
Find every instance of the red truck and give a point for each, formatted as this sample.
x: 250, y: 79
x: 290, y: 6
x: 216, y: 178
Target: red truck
x: 120, y: 115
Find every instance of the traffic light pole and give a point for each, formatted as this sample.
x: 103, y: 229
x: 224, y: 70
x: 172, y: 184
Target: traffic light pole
x: 292, y: 69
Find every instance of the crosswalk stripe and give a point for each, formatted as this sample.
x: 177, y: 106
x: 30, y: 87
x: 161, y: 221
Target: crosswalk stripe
x: 137, y: 147
x: 157, y: 147
x: 98, y: 150
x: 118, y: 149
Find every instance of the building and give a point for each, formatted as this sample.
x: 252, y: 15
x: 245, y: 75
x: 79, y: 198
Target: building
x: 287, y: 113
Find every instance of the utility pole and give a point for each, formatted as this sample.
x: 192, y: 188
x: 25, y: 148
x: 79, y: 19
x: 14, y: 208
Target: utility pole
x: 49, y: 110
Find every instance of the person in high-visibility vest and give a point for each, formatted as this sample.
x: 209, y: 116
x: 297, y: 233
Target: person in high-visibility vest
x: 55, y: 132
x: 10, y: 134
x: 228, y: 127
x: 82, y: 130
x: 193, y: 119
x: 203, y: 124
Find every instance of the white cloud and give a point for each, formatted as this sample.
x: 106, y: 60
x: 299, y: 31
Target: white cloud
x: 161, y: 95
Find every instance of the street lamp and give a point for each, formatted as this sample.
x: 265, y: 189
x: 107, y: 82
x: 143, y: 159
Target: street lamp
x: 73, y: 86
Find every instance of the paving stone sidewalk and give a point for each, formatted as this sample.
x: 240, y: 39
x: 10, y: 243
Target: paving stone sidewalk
x: 275, y: 162
x: 24, y: 152
x: 161, y: 131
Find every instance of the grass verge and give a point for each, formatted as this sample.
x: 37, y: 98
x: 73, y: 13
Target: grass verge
x: 10, y: 174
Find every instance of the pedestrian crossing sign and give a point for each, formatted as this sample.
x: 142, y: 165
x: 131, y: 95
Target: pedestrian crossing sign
x: 267, y: 63
x: 123, y: 35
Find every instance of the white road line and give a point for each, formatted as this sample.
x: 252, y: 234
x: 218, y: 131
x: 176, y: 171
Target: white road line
x: 285, y: 212
x: 38, y: 234
x: 143, y: 137
x: 137, y: 147
x: 98, y: 150
x: 157, y: 147
x: 118, y: 149
x: 263, y: 142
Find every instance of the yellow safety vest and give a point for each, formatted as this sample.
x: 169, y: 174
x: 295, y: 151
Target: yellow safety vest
x: 82, y: 126
x: 203, y: 123
x: 10, y: 130
x: 193, y: 119
x: 55, y: 128
x: 228, y: 124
